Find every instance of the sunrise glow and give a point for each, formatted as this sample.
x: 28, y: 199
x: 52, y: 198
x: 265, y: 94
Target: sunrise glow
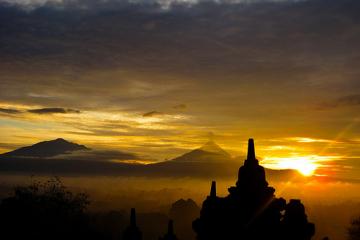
x: 306, y: 165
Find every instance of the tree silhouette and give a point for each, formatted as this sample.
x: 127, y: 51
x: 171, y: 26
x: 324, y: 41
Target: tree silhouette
x: 354, y: 229
x: 45, y: 210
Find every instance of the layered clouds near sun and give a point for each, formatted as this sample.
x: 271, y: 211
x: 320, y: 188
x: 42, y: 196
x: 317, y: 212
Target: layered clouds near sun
x: 141, y: 79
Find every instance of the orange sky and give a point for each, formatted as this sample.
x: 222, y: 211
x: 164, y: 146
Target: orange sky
x: 165, y: 81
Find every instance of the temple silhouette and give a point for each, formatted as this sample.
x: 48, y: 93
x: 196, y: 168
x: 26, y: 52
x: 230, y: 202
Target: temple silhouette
x: 132, y: 232
x: 251, y: 211
x: 170, y: 235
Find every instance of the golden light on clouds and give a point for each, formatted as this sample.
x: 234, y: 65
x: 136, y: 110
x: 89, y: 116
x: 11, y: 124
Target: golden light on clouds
x: 310, y: 140
x: 306, y: 165
x: 159, y: 84
x: 134, y: 161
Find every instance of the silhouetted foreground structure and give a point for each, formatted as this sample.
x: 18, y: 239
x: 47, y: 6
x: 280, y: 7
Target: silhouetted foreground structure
x: 251, y: 210
x: 170, y: 233
x: 132, y: 232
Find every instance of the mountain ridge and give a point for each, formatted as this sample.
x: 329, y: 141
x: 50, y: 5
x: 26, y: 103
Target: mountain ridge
x: 46, y: 149
x: 209, y: 152
x: 198, y: 163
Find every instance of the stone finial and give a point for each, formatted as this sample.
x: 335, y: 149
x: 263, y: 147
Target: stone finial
x: 251, y: 150
x: 213, y: 189
x: 133, y: 217
x: 171, y: 227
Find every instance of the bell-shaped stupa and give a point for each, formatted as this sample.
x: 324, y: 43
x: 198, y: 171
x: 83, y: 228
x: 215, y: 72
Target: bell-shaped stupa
x: 251, y: 211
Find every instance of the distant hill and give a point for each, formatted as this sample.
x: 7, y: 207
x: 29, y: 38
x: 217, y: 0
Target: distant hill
x: 46, y: 149
x: 210, y: 161
x: 207, y: 162
x: 209, y: 152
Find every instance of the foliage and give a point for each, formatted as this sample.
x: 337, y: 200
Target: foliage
x: 354, y: 229
x: 50, y: 195
x: 44, y: 210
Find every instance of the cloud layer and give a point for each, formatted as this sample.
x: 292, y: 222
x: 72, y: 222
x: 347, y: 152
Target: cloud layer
x: 53, y: 110
x: 116, y: 4
x: 142, y: 75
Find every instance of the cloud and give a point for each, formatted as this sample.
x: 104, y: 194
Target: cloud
x: 345, y: 101
x: 9, y: 111
x: 53, y: 110
x: 108, y: 4
x: 351, y: 100
x: 310, y: 140
x: 180, y: 107
x: 99, y: 155
x: 153, y: 114
x: 9, y: 146
x: 239, y: 67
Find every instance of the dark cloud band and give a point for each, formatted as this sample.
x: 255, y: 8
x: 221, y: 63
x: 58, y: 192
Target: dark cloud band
x: 152, y: 114
x: 53, y: 110
x: 345, y: 101
x: 9, y: 111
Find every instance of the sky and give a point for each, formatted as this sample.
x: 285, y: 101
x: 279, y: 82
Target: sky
x: 161, y: 77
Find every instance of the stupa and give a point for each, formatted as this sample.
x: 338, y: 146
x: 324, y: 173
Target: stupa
x: 251, y: 211
x: 132, y: 232
x: 170, y: 235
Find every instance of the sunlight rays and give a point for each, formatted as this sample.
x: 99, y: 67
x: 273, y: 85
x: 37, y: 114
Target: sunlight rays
x: 306, y: 165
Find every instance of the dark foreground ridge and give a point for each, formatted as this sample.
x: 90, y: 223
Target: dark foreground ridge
x: 251, y: 211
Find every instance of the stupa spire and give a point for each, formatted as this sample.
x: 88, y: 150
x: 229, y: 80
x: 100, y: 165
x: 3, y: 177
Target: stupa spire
x: 132, y: 232
x: 133, y: 217
x: 171, y: 227
x: 213, y: 189
x: 170, y: 232
x: 251, y: 175
x: 251, y: 150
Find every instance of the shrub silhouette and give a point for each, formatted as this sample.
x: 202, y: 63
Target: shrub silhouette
x: 45, y: 210
x: 354, y: 229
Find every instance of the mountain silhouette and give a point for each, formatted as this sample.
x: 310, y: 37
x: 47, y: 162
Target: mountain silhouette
x: 46, y: 149
x: 212, y: 147
x: 210, y: 151
x: 208, y: 161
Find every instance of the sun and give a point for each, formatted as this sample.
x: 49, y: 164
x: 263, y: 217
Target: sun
x: 305, y: 167
x: 304, y: 164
